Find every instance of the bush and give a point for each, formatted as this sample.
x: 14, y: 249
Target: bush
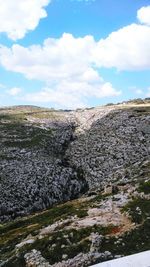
x: 145, y: 187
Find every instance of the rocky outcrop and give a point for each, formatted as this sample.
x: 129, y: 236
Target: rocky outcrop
x: 35, y: 259
x: 113, y: 147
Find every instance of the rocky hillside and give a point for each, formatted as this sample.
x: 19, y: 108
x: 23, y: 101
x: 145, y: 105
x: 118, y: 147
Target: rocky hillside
x: 113, y: 144
x: 33, y: 172
x: 100, y: 158
x: 50, y: 156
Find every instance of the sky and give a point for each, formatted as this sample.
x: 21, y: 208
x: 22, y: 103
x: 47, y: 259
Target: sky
x: 69, y: 54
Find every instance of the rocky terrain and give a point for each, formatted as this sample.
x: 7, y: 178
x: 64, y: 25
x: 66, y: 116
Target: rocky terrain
x: 33, y: 172
x: 100, y: 158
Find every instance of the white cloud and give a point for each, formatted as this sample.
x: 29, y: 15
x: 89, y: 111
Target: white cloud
x: 66, y: 67
x: 56, y: 59
x: 125, y: 49
x: 71, y: 95
x: 57, y: 98
x: 15, y: 91
x: 128, y: 48
x: 143, y: 15
x: 17, y: 17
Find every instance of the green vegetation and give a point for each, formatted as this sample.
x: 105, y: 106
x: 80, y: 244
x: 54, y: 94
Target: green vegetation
x: 145, y: 187
x: 12, y: 233
x: 138, y: 209
x: 37, y: 137
x: 137, y: 240
x: 21, y: 113
x: 73, y: 241
x: 94, y: 201
x: 16, y: 133
x: 139, y: 111
x: 70, y: 242
x: 46, y: 217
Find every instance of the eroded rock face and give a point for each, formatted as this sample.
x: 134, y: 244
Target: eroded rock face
x: 113, y: 148
x: 33, y: 170
x: 49, y: 157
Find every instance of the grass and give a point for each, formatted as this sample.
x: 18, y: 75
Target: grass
x: 70, y: 242
x: 138, y: 209
x: 12, y: 233
x: 144, y: 187
x: 135, y: 241
x: 76, y: 241
x: 142, y: 110
x: 46, y: 217
x: 24, y: 136
x: 21, y: 113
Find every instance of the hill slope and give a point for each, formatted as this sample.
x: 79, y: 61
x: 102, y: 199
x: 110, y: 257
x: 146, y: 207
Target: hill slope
x: 49, y: 157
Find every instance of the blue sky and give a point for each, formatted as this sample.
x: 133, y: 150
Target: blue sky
x: 74, y: 53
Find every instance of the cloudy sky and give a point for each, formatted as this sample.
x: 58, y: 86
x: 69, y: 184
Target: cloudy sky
x: 74, y: 53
